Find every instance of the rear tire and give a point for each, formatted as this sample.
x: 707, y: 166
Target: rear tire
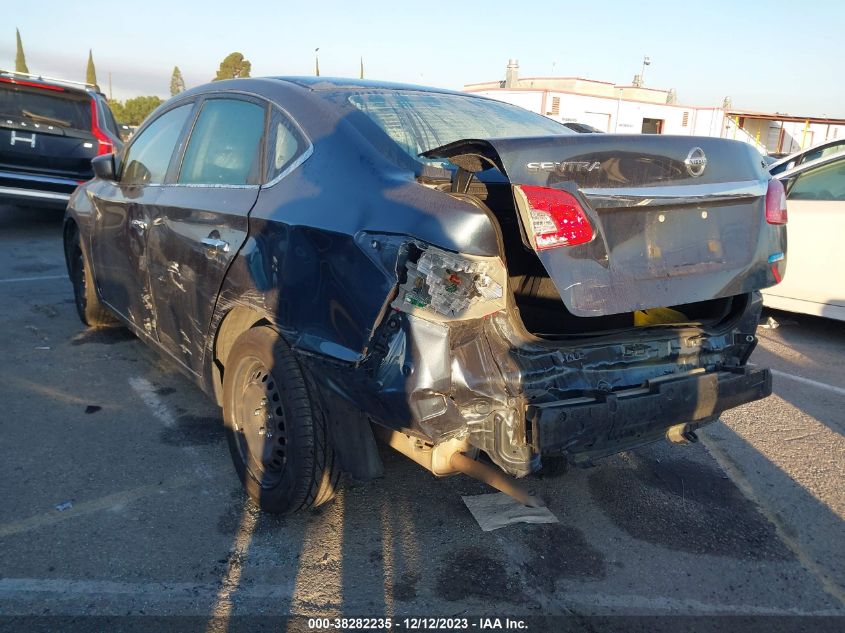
x: 276, y: 426
x: 88, y: 306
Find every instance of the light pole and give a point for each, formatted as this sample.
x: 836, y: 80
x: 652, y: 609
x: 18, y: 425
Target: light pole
x: 646, y: 62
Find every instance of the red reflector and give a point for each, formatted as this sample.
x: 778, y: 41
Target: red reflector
x: 31, y: 84
x: 776, y: 203
x: 557, y: 218
x: 104, y: 143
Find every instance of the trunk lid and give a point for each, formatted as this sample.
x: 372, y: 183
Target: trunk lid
x: 46, y: 131
x: 676, y: 219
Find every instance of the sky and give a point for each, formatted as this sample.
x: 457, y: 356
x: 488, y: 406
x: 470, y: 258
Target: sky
x: 773, y: 56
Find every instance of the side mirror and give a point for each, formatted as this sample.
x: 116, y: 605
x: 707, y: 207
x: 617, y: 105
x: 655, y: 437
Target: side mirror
x: 104, y: 167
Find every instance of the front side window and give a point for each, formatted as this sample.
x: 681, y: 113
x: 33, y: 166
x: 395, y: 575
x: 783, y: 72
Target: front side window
x: 148, y: 158
x: 224, y: 146
x: 822, y: 183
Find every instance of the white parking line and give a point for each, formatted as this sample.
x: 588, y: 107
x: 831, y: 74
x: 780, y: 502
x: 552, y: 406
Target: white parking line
x: 15, y: 280
x: 807, y: 381
x: 146, y: 391
x: 148, y: 395
x: 161, y: 594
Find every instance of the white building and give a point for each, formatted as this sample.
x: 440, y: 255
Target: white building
x: 634, y: 109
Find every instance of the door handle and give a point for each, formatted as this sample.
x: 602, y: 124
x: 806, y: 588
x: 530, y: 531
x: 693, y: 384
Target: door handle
x: 139, y: 225
x: 215, y: 245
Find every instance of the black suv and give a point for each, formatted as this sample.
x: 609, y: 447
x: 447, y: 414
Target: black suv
x: 49, y: 131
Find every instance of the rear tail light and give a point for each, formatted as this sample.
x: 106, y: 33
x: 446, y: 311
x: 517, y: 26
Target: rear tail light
x: 776, y: 203
x: 556, y: 218
x: 104, y: 143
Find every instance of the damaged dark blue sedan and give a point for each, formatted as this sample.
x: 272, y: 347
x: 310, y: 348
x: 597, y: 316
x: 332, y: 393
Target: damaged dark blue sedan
x: 337, y: 261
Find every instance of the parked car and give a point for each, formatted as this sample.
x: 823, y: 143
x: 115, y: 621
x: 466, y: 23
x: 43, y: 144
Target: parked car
x: 326, y: 258
x: 50, y: 129
x: 815, y: 281
x: 792, y: 161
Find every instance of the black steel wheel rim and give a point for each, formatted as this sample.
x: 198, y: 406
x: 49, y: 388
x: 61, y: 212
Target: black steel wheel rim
x: 259, y: 422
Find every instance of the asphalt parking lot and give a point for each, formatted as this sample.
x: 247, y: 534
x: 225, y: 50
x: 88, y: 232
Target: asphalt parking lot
x: 748, y: 521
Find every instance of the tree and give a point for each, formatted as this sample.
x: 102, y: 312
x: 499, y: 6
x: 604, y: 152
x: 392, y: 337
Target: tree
x: 118, y: 110
x: 90, y: 72
x: 134, y: 111
x: 20, y: 58
x: 177, y: 84
x: 137, y: 109
x: 233, y: 67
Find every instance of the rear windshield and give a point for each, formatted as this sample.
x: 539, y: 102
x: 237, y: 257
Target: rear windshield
x: 420, y: 121
x: 44, y: 106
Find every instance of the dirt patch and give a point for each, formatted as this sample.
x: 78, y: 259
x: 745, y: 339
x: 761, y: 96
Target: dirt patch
x: 469, y: 572
x: 193, y: 430
x: 684, y: 504
x: 47, y: 310
x: 560, y: 551
x: 405, y: 588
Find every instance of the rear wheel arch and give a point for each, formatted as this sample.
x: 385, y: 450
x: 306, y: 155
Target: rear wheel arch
x: 233, y: 323
x: 359, y: 457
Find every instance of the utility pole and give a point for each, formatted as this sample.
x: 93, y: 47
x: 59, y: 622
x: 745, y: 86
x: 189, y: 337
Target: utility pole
x: 110, y: 97
x: 317, y: 61
x: 646, y: 62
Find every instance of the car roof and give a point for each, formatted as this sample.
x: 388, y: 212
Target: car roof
x: 343, y: 84
x: 39, y: 81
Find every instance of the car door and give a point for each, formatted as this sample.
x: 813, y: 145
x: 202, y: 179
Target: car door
x: 815, y: 271
x: 201, y: 219
x: 122, y: 218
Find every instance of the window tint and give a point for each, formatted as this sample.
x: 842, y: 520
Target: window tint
x: 149, y: 156
x: 420, y: 121
x: 822, y: 183
x: 285, y: 144
x: 224, y: 146
x: 46, y: 106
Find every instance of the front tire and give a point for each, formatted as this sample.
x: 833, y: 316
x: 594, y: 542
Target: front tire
x: 276, y: 426
x: 88, y: 306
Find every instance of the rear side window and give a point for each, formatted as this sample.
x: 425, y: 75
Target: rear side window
x: 148, y: 158
x: 822, y: 183
x: 224, y: 148
x: 45, y: 107
x: 285, y: 144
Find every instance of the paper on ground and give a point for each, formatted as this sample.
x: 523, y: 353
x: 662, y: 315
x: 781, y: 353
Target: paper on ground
x: 498, y: 510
